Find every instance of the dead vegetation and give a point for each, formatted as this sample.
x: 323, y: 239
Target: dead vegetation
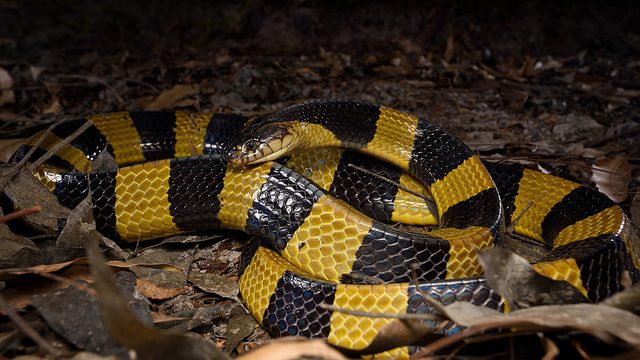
x: 552, y: 86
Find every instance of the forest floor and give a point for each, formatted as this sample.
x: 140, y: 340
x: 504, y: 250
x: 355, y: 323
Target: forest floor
x: 553, y: 86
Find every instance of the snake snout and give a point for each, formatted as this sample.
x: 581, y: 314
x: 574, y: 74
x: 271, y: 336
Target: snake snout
x: 263, y: 144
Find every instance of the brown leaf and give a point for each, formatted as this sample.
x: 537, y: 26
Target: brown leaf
x: 6, y: 274
x: 186, y: 320
x: 239, y: 327
x: 53, y: 107
x: 26, y: 191
x: 20, y: 293
x: 91, y: 356
x: 11, y: 273
x: 216, y: 284
x: 308, y: 74
x: 450, y: 50
x: 628, y: 299
x: 400, y: 332
x: 74, y: 314
x: 169, y: 98
x: 6, y: 82
x: 155, y: 292
x: 35, y: 71
x: 130, y: 332
x: 11, y: 244
x: 8, y: 147
x: 515, y: 279
x: 601, y: 321
x: 292, y: 349
x: 612, y: 175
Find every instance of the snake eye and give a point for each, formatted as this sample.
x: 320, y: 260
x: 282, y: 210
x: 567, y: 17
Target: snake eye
x: 250, y: 146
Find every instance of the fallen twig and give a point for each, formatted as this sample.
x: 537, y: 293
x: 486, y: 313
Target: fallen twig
x: 34, y: 165
x: 20, y: 213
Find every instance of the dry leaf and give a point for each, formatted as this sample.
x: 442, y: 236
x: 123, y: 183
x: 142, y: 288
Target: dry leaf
x: 515, y: 279
x: 155, y: 292
x: 292, y: 349
x: 6, y: 82
x: 36, y: 71
x: 628, y: 299
x: 399, y: 333
x: 53, y: 107
x: 26, y: 191
x: 6, y: 274
x: 216, y: 284
x: 8, y: 147
x: 451, y: 47
x: 20, y: 294
x: 73, y: 313
x: 169, y: 98
x: 240, y: 326
x: 130, y: 332
x: 612, y: 175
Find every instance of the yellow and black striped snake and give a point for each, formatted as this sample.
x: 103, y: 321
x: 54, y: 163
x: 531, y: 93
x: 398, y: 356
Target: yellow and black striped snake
x: 298, y: 192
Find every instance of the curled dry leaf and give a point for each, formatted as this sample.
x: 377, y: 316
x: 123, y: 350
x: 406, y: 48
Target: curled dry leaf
x: 397, y: 333
x: 600, y: 321
x: 293, y: 348
x: 515, y: 279
x: 612, y: 175
x: 6, y: 82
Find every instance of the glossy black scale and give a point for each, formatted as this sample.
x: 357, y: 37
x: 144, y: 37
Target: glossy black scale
x: 372, y: 196
x: 281, y: 206
x: 194, y: 186
x: 91, y: 142
x: 390, y: 255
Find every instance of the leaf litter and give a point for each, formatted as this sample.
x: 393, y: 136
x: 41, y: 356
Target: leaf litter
x: 566, y: 107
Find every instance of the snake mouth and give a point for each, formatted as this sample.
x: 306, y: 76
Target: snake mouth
x: 257, y: 149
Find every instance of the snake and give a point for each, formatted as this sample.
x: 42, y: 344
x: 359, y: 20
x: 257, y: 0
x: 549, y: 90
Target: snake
x: 293, y: 177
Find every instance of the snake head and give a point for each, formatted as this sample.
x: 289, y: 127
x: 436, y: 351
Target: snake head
x: 256, y: 144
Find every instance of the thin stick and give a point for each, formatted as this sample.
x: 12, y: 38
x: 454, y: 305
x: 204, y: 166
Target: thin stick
x: 426, y: 198
x: 59, y: 146
x: 381, y: 315
x: 515, y: 221
x: 27, y: 329
x: 11, y: 173
x: 20, y: 213
x: 425, y: 297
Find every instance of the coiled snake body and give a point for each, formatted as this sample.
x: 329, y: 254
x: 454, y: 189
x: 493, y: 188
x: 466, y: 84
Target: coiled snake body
x: 317, y: 242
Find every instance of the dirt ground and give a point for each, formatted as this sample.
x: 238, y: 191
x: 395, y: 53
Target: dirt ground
x: 555, y: 86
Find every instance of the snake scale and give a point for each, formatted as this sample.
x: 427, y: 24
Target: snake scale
x: 186, y: 172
